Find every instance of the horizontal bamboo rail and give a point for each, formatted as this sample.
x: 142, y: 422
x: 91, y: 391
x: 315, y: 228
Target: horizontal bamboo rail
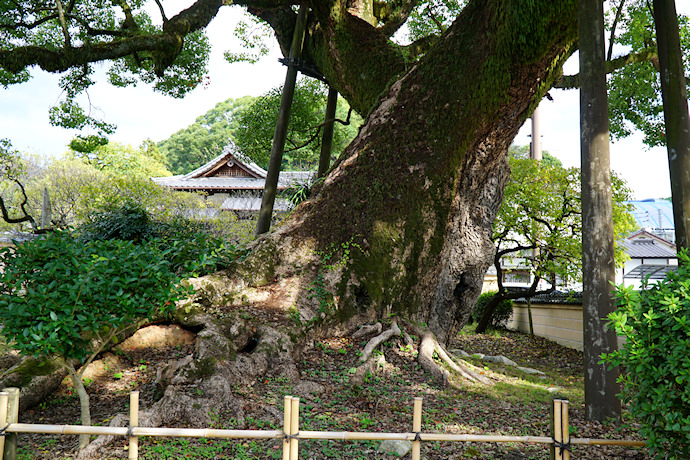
x: 291, y: 435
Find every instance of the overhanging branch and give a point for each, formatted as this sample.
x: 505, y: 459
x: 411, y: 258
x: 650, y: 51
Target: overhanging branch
x: 573, y: 81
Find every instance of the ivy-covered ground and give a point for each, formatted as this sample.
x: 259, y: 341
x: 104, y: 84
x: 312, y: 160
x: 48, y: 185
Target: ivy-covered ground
x: 517, y: 405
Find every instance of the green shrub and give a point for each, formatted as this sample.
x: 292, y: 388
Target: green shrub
x: 654, y: 363
x: 501, y: 314
x: 65, y: 298
x: 129, y: 222
x: 57, y: 292
x: 191, y: 251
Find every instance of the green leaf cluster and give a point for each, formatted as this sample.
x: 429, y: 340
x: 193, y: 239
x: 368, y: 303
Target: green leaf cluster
x: 635, y: 89
x: 192, y: 250
x: 60, y: 295
x: 540, y: 220
x: 655, y: 369
x: 501, y: 314
x: 257, y: 122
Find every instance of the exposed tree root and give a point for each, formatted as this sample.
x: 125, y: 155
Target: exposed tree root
x: 370, y: 366
x: 428, y: 346
x: 371, y: 363
x: 378, y: 340
x: 367, y: 330
x: 426, y: 359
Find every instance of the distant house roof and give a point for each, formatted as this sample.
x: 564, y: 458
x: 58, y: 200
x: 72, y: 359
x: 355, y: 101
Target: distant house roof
x: 644, y: 245
x: 230, y: 171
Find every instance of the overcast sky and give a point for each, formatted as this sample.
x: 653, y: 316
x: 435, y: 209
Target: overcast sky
x: 140, y: 113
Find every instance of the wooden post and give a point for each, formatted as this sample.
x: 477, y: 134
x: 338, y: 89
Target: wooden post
x: 10, y: 448
x: 4, y: 400
x: 417, y: 427
x: 556, y: 427
x: 276, y: 158
x: 287, y: 414
x: 294, y: 429
x: 328, y: 128
x: 133, y: 422
x: 565, y: 427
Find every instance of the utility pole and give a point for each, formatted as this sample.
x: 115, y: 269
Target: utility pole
x: 598, y: 267
x: 676, y: 117
x: 274, y: 162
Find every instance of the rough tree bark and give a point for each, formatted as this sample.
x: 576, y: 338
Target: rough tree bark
x: 676, y: 115
x: 402, y: 223
x: 598, y: 267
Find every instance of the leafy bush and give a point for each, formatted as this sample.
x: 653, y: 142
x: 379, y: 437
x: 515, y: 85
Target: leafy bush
x: 57, y: 293
x: 655, y: 370
x: 66, y: 298
x: 501, y: 314
x: 129, y: 222
x: 191, y: 251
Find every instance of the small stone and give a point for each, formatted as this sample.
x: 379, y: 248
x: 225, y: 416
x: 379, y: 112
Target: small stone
x: 478, y: 355
x: 554, y: 389
x: 399, y: 448
x: 500, y: 359
x: 460, y: 353
x: 529, y: 370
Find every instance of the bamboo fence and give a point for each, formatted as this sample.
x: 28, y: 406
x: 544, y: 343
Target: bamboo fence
x: 560, y: 441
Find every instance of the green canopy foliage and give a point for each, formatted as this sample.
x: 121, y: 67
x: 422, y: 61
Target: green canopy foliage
x: 540, y: 221
x: 250, y: 123
x: 522, y: 152
x: 204, y: 139
x: 635, y: 89
x: 257, y: 123
x: 125, y: 160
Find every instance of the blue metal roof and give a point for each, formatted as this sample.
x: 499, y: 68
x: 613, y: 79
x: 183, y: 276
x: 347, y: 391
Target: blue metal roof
x: 656, y: 214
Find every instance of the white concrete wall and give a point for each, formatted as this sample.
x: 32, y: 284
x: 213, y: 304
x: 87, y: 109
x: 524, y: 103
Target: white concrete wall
x: 558, y: 322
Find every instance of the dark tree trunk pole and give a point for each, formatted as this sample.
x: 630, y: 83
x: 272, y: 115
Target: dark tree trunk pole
x: 327, y: 140
x: 675, y: 114
x: 598, y: 267
x: 271, y: 185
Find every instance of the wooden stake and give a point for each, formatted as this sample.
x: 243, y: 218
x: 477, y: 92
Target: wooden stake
x: 556, y: 430
x: 133, y: 421
x: 565, y: 430
x: 4, y: 400
x: 10, y: 449
x: 287, y: 411
x: 294, y: 429
x: 417, y: 427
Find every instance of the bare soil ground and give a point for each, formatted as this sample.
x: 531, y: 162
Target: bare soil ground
x: 517, y: 405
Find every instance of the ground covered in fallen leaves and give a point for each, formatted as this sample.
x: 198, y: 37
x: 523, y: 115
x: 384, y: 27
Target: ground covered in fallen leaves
x: 519, y: 404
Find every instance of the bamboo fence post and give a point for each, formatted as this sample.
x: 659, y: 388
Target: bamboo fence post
x: 417, y: 427
x: 294, y: 429
x: 287, y: 411
x: 133, y: 422
x: 4, y: 400
x: 556, y: 430
x: 10, y: 449
x: 565, y: 430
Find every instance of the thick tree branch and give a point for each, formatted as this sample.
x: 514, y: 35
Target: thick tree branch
x: 394, y: 18
x: 18, y: 59
x: 421, y: 46
x: 573, y: 81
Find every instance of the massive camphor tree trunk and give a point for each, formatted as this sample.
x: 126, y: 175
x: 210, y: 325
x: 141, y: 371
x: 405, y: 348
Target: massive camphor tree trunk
x: 402, y: 222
